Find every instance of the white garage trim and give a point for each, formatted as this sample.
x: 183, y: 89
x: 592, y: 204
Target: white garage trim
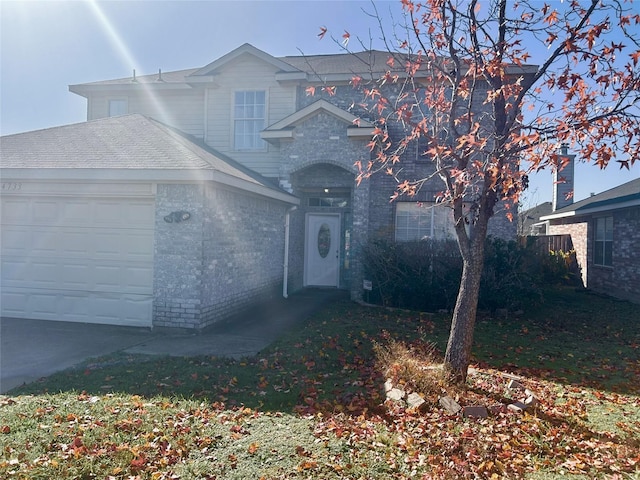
x: 83, y: 258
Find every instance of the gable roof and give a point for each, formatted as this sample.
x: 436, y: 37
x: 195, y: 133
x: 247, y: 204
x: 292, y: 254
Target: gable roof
x: 625, y: 195
x: 244, y: 50
x: 337, y: 67
x: 284, y: 128
x: 134, y: 146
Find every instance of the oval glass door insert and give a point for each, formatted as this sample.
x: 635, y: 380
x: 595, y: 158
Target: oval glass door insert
x: 324, y: 240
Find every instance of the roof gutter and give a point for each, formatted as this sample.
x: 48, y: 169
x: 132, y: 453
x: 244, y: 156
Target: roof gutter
x: 145, y: 175
x: 597, y: 209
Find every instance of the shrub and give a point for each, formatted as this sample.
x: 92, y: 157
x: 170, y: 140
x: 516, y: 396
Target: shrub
x: 416, y: 275
x: 425, y: 275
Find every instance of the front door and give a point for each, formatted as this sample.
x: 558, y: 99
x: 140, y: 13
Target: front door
x: 322, y: 250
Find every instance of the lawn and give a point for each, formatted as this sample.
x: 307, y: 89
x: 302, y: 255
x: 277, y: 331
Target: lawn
x: 312, y: 405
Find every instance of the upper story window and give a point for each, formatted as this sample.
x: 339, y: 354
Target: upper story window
x: 249, y: 119
x: 603, y: 247
x: 425, y: 220
x: 118, y: 107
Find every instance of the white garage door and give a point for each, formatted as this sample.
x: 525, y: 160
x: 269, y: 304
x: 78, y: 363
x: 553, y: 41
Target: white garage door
x: 84, y: 259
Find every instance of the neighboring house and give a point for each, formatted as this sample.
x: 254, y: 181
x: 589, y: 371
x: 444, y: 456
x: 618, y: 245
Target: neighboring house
x: 189, y: 194
x: 529, y: 222
x: 605, y: 232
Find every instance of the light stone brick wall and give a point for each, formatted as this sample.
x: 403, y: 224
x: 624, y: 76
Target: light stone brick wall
x: 178, y: 257
x: 228, y: 255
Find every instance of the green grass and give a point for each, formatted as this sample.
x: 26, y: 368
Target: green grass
x: 311, y: 405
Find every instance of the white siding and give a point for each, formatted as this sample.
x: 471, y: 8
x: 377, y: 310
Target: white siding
x: 183, y: 110
x: 247, y: 73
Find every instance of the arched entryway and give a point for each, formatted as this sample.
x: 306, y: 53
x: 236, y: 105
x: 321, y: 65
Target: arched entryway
x: 325, y: 223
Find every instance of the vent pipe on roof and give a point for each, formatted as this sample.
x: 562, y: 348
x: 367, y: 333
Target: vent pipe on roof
x: 563, y: 179
x: 134, y: 79
x: 159, y: 79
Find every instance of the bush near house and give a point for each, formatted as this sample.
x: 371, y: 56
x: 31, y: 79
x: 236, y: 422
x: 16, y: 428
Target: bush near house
x: 425, y: 275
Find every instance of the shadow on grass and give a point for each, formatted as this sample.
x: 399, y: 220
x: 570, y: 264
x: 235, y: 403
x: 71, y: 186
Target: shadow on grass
x: 574, y: 338
x: 328, y: 367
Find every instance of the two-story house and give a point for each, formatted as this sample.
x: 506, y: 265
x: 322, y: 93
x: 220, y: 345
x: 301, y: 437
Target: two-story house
x: 189, y: 194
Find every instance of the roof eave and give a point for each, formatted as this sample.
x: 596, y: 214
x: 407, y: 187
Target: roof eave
x: 586, y: 210
x: 84, y: 90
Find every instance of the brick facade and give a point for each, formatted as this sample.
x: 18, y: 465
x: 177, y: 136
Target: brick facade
x: 228, y: 254
x: 622, y: 279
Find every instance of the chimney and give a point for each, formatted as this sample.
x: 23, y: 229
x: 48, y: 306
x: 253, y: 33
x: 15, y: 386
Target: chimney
x: 563, y: 184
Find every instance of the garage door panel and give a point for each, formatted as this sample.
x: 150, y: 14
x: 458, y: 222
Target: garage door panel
x: 78, y: 259
x: 15, y: 240
x: 14, y: 210
x: 136, y: 247
x: 122, y: 309
x: 42, y: 241
x: 41, y: 273
x: 76, y: 276
x: 45, y: 212
x: 75, y: 244
x: 141, y: 215
x: 77, y: 213
x: 43, y: 304
x: 13, y: 304
x: 138, y: 278
x: 107, y: 245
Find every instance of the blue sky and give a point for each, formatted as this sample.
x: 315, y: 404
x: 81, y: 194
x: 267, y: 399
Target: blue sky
x: 48, y: 45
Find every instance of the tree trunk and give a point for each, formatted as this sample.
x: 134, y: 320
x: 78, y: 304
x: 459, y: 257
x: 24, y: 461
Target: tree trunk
x: 458, y: 354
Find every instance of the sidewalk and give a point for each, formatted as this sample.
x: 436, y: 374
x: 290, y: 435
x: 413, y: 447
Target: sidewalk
x: 32, y: 349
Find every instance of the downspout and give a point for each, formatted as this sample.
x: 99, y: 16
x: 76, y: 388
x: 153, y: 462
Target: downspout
x: 285, y: 280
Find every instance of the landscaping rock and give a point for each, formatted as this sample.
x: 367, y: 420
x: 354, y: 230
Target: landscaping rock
x: 517, y: 407
x: 515, y: 385
x: 416, y: 402
x: 450, y: 405
x: 497, y: 409
x: 396, y: 394
x: 388, y: 385
x: 475, y: 411
x: 530, y: 401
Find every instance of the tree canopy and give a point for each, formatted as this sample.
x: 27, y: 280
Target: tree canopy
x: 489, y: 91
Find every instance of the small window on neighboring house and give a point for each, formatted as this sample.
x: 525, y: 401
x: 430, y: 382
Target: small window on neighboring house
x: 118, y: 107
x: 249, y: 119
x: 425, y: 220
x: 603, y: 248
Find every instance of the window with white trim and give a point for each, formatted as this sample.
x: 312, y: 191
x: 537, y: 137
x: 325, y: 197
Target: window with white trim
x: 423, y: 220
x: 249, y: 115
x: 118, y: 106
x: 603, y: 245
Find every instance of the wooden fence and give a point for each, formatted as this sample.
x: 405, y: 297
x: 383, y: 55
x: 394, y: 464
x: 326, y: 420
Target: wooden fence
x: 549, y: 243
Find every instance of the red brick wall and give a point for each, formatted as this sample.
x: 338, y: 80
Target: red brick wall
x: 621, y: 280
x: 580, y: 240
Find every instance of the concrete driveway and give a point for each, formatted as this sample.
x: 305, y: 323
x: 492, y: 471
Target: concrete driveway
x: 32, y: 349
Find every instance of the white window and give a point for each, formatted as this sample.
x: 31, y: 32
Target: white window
x: 424, y: 220
x: 118, y: 107
x: 603, y: 248
x: 249, y: 119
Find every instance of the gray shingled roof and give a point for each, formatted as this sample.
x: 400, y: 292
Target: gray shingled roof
x: 331, y: 64
x: 532, y: 215
x: 177, y: 76
x: 126, y: 142
x: 343, y: 63
x: 609, y: 199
